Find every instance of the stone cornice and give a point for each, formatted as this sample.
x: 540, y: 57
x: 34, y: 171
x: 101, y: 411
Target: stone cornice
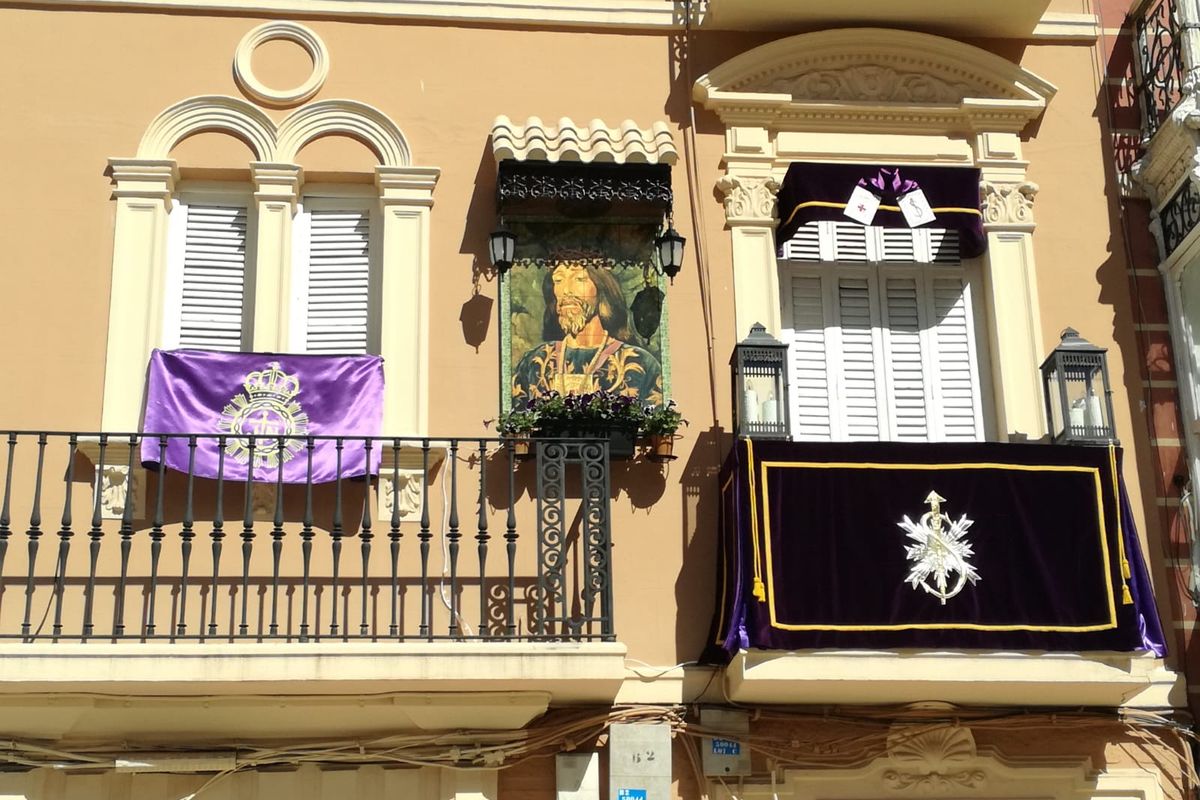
x: 640, y: 14
x: 575, y: 13
x: 875, y: 79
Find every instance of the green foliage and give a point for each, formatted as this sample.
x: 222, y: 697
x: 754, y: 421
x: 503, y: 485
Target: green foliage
x: 661, y: 420
x: 555, y: 414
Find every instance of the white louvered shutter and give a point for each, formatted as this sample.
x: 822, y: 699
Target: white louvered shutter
x: 850, y: 242
x: 333, y: 279
x: 885, y: 349
x: 905, y: 361
x: 207, y: 287
x: 809, y: 369
x: 955, y: 363
x: 805, y: 244
x: 944, y: 247
x: 857, y: 359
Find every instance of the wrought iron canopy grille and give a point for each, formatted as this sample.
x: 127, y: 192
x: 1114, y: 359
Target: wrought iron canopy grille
x: 583, y: 189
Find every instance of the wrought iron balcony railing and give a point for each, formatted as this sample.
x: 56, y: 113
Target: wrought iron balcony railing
x: 159, y: 555
x: 1158, y: 80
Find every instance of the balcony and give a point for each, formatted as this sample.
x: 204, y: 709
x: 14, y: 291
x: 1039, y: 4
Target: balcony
x: 966, y: 572
x: 1164, y: 44
x: 459, y: 579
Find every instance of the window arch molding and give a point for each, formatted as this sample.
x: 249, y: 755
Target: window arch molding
x: 208, y: 113
x: 877, y: 95
x: 144, y: 187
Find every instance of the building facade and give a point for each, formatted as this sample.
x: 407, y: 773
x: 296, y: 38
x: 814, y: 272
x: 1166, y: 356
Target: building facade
x: 265, y: 530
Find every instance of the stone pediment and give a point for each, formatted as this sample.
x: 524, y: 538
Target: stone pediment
x: 875, y: 75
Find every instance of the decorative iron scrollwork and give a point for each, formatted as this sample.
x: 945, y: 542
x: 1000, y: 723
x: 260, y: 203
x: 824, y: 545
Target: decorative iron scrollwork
x: 567, y: 604
x: 1160, y: 79
x: 1179, y: 216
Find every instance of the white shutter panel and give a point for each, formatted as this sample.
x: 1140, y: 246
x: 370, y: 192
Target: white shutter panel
x: 944, y: 246
x: 898, y: 245
x: 904, y: 361
x: 859, y: 396
x: 955, y: 365
x: 805, y: 244
x: 337, y: 305
x: 213, y: 291
x: 809, y: 361
x: 849, y: 242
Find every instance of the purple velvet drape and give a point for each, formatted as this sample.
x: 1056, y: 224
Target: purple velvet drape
x: 816, y: 526
x: 819, y: 191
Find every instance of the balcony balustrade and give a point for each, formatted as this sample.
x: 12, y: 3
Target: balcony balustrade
x: 1158, y: 81
x: 450, y: 540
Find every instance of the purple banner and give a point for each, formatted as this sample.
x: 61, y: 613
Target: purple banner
x: 272, y: 395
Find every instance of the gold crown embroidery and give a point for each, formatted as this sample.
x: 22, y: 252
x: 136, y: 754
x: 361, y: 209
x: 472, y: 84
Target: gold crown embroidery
x: 268, y: 410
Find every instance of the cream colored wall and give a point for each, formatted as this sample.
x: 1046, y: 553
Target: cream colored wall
x: 80, y: 87
x: 1082, y: 267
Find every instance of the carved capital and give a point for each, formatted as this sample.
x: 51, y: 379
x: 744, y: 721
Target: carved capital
x: 144, y: 179
x: 937, y: 760
x: 1008, y: 204
x: 749, y: 200
x: 277, y: 183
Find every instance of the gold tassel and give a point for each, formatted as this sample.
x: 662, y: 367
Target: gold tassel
x: 760, y: 591
x: 1126, y: 597
x: 1126, y: 572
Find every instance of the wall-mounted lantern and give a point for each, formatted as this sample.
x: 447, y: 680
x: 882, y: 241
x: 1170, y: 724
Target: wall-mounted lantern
x: 1077, y: 392
x: 669, y: 247
x: 760, y: 386
x: 502, y: 246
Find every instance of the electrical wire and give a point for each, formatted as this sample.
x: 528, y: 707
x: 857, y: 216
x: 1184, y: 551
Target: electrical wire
x: 699, y: 224
x: 860, y: 735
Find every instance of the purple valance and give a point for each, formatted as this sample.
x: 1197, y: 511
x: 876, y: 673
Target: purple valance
x: 821, y: 192
x: 888, y: 545
x: 272, y: 397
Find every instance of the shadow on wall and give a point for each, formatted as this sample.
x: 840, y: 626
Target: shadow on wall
x: 476, y: 313
x: 1135, y: 300
x: 695, y: 587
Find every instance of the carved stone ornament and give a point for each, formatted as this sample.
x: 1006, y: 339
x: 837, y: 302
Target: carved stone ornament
x: 114, y: 485
x: 262, y: 500
x: 748, y: 199
x: 404, y: 487
x: 937, y: 761
x: 870, y: 83
x: 1008, y: 204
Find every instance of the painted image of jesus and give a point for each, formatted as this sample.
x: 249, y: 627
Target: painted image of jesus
x: 588, y: 343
